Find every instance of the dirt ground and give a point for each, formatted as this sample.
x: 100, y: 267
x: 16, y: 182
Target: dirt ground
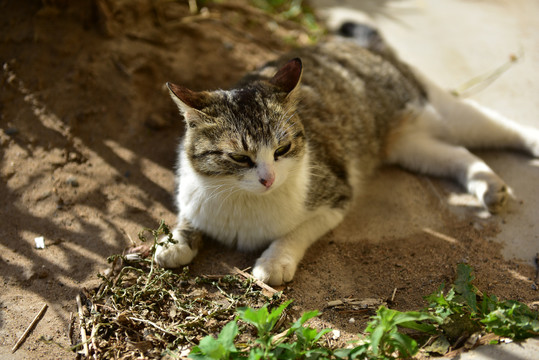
x: 88, y: 140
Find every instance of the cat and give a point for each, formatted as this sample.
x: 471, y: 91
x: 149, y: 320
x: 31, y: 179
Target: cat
x: 278, y: 160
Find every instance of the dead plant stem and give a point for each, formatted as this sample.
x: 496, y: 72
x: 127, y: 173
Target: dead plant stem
x: 30, y: 328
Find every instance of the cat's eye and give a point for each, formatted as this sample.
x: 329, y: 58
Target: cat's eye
x: 282, y: 150
x: 242, y: 159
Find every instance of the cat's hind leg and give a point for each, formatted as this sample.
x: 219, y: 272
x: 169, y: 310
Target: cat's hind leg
x: 183, y: 248
x: 475, y: 126
x: 421, y: 152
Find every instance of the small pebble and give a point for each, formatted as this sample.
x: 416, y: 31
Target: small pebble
x: 72, y: 181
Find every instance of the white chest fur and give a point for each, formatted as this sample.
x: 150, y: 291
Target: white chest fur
x: 235, y: 217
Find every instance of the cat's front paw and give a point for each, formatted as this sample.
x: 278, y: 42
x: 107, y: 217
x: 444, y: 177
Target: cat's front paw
x: 170, y: 255
x: 275, y: 270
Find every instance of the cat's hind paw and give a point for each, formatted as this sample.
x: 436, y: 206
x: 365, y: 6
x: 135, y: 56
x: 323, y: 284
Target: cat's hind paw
x: 495, y: 198
x: 169, y: 255
x: 490, y: 190
x: 533, y: 142
x: 275, y: 270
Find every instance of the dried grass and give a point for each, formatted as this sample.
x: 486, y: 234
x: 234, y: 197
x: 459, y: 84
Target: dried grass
x: 142, y: 311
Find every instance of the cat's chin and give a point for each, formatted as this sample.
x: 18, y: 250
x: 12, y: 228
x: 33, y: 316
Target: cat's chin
x: 262, y: 190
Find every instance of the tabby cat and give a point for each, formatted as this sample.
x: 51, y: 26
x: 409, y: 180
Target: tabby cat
x: 278, y: 160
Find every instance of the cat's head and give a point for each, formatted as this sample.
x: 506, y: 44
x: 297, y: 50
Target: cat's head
x: 250, y: 137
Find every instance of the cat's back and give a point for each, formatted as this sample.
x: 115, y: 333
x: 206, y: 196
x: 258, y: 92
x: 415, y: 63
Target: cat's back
x: 350, y: 99
x: 346, y: 79
x: 347, y: 90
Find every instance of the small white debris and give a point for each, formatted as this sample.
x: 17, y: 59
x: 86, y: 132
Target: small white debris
x: 336, y: 334
x: 352, y: 320
x: 133, y: 257
x: 40, y: 242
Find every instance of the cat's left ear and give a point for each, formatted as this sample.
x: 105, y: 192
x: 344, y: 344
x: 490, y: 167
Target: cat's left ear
x: 288, y: 77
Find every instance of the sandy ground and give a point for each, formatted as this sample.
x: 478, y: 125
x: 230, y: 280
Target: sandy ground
x: 88, y: 137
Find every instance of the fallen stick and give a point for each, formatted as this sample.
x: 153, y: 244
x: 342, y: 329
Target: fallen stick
x: 268, y: 289
x: 30, y: 328
x: 366, y: 303
x: 393, y: 296
x: 82, y: 329
x: 70, y: 329
x: 92, y: 337
x: 536, y: 268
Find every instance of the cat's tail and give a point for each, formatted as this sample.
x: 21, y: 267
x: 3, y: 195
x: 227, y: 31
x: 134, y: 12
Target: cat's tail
x: 365, y: 35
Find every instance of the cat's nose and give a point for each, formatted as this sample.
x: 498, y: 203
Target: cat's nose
x: 266, y: 174
x: 267, y: 182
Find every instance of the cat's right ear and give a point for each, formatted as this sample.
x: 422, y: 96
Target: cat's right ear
x: 189, y: 102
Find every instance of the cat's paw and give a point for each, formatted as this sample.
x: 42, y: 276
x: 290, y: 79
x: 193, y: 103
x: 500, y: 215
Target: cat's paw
x: 275, y: 270
x: 495, y: 198
x: 532, y: 143
x: 491, y: 191
x: 169, y: 255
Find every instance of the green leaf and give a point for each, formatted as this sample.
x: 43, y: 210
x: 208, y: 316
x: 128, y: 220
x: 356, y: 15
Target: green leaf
x: 276, y: 313
x: 208, y: 348
x: 227, y: 335
x: 376, y: 339
x: 320, y: 334
x: 256, y: 354
x: 302, y: 320
x: 426, y: 328
x: 257, y: 318
x: 406, y: 345
x: 306, y: 335
x: 407, y: 317
x: 464, y: 287
x: 512, y: 319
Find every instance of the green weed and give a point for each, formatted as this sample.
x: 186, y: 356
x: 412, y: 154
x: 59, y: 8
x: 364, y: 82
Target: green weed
x: 296, y: 342
x: 464, y: 309
x: 453, y: 315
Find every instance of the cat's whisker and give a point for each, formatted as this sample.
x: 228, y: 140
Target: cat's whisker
x: 220, y: 189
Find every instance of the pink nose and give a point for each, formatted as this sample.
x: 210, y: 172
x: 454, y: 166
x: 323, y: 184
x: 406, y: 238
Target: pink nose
x: 267, y: 182
x: 266, y: 174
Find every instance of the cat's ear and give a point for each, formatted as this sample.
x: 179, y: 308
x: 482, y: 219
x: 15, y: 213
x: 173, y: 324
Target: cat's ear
x: 190, y: 103
x: 288, y: 77
x: 187, y: 99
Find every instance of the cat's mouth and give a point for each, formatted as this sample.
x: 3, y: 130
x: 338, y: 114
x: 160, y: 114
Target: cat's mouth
x: 261, y: 189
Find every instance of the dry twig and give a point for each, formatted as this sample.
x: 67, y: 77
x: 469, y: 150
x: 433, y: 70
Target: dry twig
x: 30, y: 327
x: 266, y: 289
x: 82, y: 329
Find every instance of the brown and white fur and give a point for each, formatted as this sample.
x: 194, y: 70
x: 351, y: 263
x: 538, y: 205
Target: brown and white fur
x: 277, y: 161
